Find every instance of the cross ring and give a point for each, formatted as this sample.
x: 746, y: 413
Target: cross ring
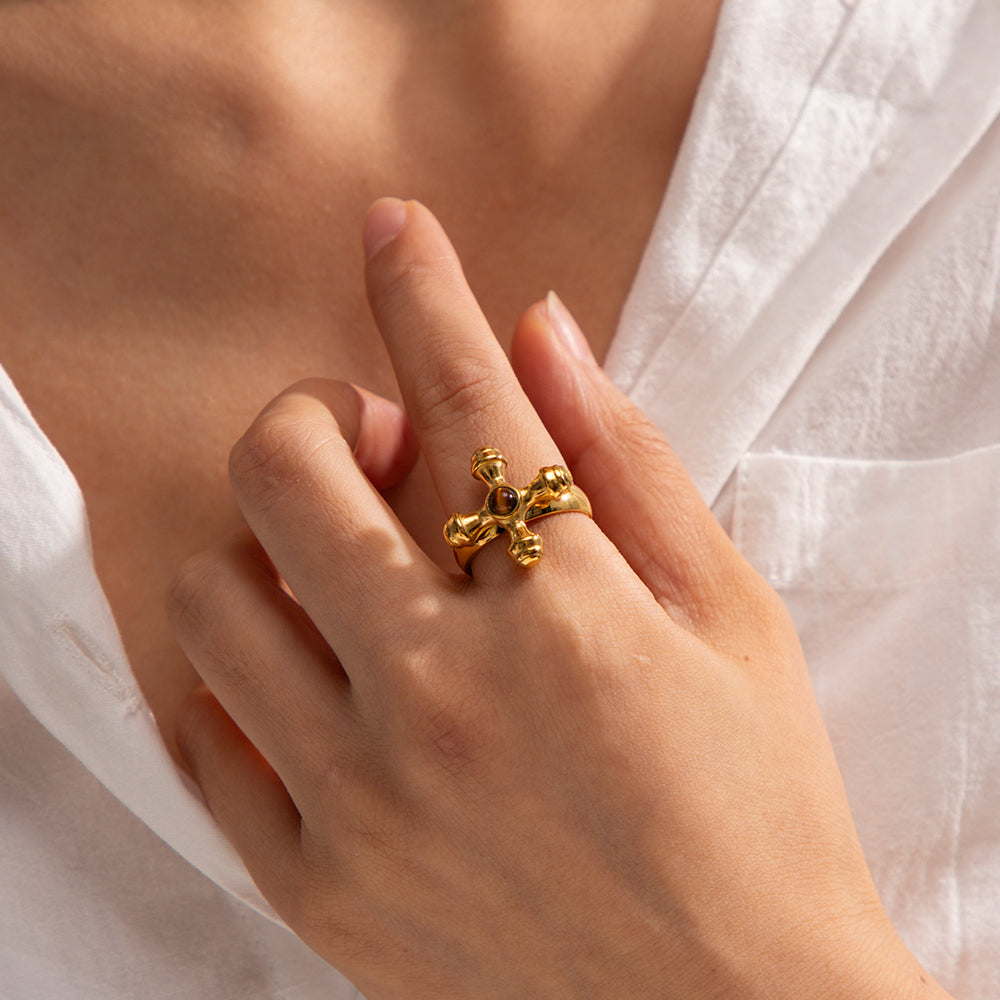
x: 508, y: 509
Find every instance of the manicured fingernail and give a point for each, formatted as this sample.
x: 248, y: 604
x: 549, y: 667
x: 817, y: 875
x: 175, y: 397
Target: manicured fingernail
x: 382, y: 224
x: 566, y: 328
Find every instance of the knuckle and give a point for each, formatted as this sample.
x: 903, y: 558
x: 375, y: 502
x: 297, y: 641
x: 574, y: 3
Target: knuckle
x: 458, y: 389
x: 634, y: 434
x: 406, y: 276
x: 640, y: 433
x: 452, y: 733
x: 263, y: 449
x: 274, y: 455
x: 193, y: 724
x: 190, y: 594
x: 200, y: 611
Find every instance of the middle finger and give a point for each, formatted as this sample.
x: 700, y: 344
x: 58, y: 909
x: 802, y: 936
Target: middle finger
x: 457, y: 384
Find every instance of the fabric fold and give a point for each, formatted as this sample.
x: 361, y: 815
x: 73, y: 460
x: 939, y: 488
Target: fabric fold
x: 73, y: 674
x: 831, y: 176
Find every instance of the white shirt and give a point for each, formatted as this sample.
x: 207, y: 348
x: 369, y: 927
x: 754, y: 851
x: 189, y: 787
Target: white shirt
x: 815, y: 326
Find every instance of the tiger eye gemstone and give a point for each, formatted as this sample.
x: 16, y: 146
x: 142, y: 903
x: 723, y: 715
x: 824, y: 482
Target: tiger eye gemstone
x: 503, y: 501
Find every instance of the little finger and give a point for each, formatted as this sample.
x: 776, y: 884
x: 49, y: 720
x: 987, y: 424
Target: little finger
x: 244, y: 795
x: 263, y: 659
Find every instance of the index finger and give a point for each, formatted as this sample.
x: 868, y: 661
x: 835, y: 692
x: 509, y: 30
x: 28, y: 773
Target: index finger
x: 457, y: 384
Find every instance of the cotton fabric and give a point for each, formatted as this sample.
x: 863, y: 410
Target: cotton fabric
x: 815, y: 327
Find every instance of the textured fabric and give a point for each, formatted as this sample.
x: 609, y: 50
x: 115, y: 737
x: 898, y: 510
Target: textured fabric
x: 815, y: 326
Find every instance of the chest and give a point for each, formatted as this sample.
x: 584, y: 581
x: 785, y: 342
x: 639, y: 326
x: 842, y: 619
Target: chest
x: 180, y: 212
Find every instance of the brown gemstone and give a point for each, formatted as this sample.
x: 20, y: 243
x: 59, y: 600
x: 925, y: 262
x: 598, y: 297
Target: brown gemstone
x: 503, y: 501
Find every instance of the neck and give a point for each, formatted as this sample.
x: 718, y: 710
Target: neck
x: 502, y: 67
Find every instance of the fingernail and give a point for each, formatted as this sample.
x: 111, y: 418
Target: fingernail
x: 566, y: 328
x: 382, y: 224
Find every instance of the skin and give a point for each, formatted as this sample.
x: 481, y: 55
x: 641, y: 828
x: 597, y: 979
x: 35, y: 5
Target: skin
x: 181, y: 189
x: 602, y: 776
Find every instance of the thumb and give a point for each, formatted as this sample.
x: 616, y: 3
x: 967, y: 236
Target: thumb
x: 643, y: 499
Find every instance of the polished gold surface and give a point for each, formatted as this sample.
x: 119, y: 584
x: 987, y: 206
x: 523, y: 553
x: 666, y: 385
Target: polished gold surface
x: 508, y: 509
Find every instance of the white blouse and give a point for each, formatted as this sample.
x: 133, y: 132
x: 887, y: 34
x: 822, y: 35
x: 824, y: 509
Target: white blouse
x: 815, y: 325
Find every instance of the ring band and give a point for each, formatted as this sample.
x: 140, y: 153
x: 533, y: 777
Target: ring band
x: 508, y: 509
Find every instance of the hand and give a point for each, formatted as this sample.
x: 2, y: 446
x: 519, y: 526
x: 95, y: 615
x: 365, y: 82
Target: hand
x: 603, y: 776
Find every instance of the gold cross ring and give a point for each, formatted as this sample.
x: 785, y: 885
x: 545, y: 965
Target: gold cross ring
x: 508, y: 509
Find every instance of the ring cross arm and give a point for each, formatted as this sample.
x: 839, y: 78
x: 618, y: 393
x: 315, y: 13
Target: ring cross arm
x: 507, y: 509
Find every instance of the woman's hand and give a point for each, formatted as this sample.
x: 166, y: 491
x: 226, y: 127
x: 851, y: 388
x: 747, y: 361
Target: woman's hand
x: 603, y: 776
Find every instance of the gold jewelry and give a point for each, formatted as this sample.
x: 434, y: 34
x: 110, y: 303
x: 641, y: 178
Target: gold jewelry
x: 507, y: 509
